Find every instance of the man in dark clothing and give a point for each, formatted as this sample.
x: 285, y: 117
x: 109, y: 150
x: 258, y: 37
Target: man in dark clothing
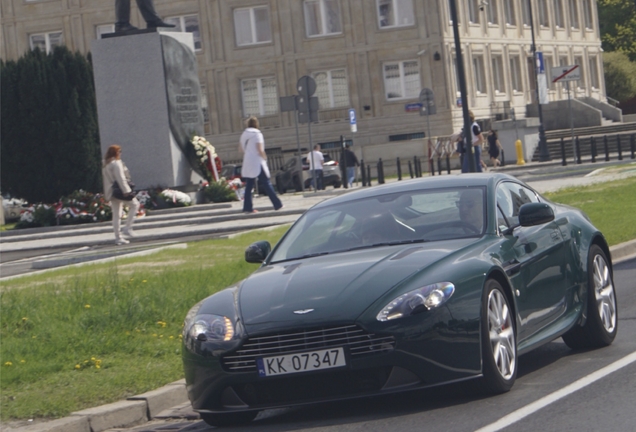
x: 147, y: 9
x: 351, y: 162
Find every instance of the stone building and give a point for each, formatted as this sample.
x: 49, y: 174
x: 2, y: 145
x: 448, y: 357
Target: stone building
x: 374, y: 56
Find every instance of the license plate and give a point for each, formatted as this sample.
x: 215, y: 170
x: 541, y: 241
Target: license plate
x: 301, y: 362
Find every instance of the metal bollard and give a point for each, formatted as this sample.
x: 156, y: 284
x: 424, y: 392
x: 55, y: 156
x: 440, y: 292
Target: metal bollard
x: 368, y: 175
x: 410, y: 169
x: 363, y: 173
x: 577, y: 145
x: 380, y: 168
x: 593, y: 145
x: 606, y: 148
x: 448, y: 169
x: 431, y: 167
x: 618, y: 144
x: 564, y: 162
x: 503, y: 158
x: 399, y: 169
x: 418, y: 164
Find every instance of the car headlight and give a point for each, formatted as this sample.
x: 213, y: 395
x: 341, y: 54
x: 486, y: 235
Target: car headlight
x: 207, y: 327
x: 419, y: 300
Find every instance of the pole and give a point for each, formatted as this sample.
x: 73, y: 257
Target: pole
x: 468, y: 145
x: 302, y: 183
x: 544, y: 154
x: 571, y: 120
x: 311, y: 152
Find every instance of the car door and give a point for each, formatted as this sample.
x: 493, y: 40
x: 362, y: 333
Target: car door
x: 534, y: 261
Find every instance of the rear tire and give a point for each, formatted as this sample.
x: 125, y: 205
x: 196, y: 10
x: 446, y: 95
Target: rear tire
x: 601, y: 325
x: 498, y: 339
x: 228, y: 419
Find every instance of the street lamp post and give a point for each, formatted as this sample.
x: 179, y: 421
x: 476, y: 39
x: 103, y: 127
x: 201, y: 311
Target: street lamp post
x: 544, y: 154
x: 462, y: 89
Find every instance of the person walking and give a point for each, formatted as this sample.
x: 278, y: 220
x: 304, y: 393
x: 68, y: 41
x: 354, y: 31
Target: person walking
x: 315, y: 159
x: 115, y: 172
x: 494, y: 148
x: 351, y: 162
x: 147, y: 9
x: 477, y: 139
x: 252, y: 146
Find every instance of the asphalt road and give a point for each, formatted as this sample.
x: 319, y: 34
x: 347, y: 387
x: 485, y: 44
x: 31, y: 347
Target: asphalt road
x: 555, y: 387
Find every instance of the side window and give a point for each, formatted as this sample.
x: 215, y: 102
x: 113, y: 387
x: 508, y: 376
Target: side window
x: 502, y: 222
x: 510, y: 197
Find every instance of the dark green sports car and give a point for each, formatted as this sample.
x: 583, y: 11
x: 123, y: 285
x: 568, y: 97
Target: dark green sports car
x: 398, y: 287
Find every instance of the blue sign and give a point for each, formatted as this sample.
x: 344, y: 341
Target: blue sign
x: 352, y: 116
x: 540, y: 63
x: 413, y: 107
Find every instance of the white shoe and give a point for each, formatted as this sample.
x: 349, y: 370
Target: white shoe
x: 121, y: 241
x: 128, y: 233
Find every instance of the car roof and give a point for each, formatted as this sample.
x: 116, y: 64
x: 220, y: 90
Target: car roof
x: 433, y: 182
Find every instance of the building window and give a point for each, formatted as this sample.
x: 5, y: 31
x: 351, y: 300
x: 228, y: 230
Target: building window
x: 549, y: 64
x: 259, y: 96
x: 473, y: 12
x: 587, y: 11
x: 498, y: 74
x: 574, y: 14
x: 558, y: 14
x: 525, y: 13
x: 46, y: 41
x: 252, y: 25
x: 581, y: 82
x: 480, y: 79
x: 402, y: 80
x: 188, y: 24
x: 395, y: 13
x: 103, y: 29
x: 332, y: 89
x: 515, y: 74
x: 544, y: 21
x: 492, y: 11
x: 509, y: 11
x: 593, y: 64
x: 322, y: 17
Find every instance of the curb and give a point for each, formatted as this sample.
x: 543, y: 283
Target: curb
x: 133, y: 411
x: 623, y: 251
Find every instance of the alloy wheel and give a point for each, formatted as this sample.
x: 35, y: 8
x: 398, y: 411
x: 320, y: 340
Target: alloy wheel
x: 501, y: 334
x: 604, y: 292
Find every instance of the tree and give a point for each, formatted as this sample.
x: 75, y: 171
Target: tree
x: 49, y: 133
x: 620, y: 76
x: 617, y: 19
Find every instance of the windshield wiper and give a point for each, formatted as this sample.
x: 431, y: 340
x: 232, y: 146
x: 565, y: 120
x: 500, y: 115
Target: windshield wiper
x: 388, y: 243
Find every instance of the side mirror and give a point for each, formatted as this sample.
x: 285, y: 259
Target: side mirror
x: 532, y: 214
x: 257, y: 252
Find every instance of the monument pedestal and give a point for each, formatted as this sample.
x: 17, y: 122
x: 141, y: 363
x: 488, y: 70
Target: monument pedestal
x: 149, y: 102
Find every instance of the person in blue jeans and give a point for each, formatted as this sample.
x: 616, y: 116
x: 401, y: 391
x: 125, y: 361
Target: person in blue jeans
x: 254, y: 168
x: 351, y: 162
x: 477, y: 139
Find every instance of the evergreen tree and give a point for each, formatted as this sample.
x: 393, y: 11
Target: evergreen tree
x: 50, y: 141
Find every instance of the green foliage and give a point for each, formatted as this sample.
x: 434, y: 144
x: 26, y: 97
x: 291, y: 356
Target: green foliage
x: 617, y: 19
x: 620, y: 76
x: 49, y: 133
x: 219, y: 192
x: 86, y: 336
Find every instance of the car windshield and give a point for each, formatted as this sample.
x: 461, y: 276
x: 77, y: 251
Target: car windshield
x: 398, y: 218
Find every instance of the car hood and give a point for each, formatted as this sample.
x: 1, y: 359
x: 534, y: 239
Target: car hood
x: 332, y: 288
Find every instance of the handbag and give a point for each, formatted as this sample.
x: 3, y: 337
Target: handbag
x: 120, y: 195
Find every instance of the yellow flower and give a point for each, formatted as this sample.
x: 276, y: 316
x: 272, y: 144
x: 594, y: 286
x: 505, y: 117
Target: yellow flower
x: 87, y: 306
x: 171, y: 337
x: 144, y: 281
x: 8, y: 363
x: 77, y: 366
x: 24, y: 319
x: 23, y: 361
x: 97, y: 366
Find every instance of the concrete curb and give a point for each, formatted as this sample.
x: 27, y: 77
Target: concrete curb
x: 623, y: 251
x: 131, y: 412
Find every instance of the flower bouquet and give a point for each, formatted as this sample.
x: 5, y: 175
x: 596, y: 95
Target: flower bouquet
x: 220, y: 191
x: 209, y: 162
x: 175, y: 198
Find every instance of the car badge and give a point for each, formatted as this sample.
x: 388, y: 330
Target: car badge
x: 303, y: 311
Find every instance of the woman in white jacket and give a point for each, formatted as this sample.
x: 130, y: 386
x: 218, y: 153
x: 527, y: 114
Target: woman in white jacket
x: 113, y: 171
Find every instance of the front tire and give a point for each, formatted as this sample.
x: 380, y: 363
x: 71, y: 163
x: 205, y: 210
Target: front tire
x: 228, y: 419
x: 601, y: 325
x: 498, y: 339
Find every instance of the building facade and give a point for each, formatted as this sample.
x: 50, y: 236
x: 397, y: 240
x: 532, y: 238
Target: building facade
x: 374, y: 56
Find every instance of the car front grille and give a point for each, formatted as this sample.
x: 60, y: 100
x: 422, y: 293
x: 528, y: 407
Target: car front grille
x: 359, y: 343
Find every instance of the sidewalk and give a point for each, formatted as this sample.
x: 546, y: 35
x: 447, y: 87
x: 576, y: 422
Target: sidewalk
x: 171, y: 400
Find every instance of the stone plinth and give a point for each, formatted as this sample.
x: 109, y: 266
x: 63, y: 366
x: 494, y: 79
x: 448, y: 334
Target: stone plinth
x: 149, y: 102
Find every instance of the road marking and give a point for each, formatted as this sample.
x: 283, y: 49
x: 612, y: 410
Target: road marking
x: 517, y: 415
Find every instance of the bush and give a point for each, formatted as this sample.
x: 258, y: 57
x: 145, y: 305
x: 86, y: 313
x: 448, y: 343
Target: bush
x: 220, y: 191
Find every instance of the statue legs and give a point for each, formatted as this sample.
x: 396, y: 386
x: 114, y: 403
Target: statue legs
x: 147, y: 9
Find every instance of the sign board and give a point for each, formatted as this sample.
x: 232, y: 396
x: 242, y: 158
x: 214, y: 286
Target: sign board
x: 352, y: 120
x: 413, y: 107
x: 287, y: 103
x: 306, y: 86
x: 540, y: 63
x: 565, y: 73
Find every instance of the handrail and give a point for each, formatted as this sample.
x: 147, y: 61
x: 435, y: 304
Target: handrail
x: 613, y: 102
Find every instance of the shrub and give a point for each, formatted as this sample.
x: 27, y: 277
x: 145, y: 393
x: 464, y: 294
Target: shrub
x: 220, y: 191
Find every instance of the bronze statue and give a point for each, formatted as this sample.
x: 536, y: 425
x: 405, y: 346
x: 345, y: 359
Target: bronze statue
x: 147, y: 9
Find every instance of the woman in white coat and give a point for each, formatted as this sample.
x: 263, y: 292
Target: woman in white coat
x: 113, y: 171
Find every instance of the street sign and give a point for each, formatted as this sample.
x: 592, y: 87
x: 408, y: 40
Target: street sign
x: 413, y: 107
x: 306, y: 86
x: 565, y: 73
x: 427, y: 98
x: 352, y: 120
x: 540, y: 63
x: 287, y: 103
